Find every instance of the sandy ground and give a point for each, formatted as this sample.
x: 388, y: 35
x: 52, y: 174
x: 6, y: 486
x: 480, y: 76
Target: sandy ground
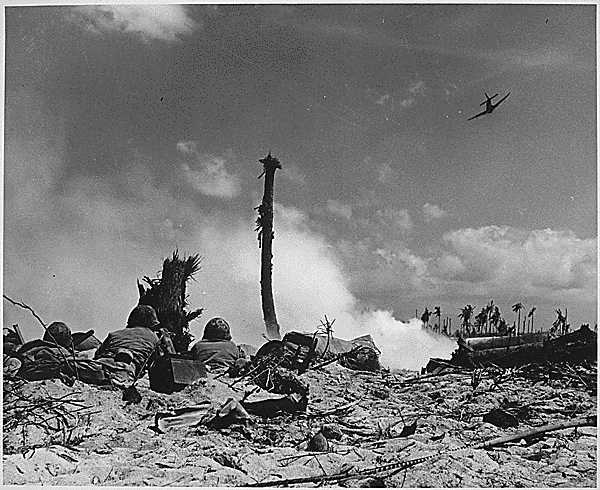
x: 116, y: 446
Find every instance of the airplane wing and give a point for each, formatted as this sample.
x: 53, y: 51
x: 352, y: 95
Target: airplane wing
x: 501, y: 100
x: 477, y: 115
x: 485, y: 101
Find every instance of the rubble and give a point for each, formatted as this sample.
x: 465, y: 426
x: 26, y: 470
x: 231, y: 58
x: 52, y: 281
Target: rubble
x: 384, y: 429
x: 507, y: 351
x: 298, y: 414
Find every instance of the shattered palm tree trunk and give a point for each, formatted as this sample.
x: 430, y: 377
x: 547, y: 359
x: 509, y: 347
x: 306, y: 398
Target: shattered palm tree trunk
x: 264, y: 227
x: 168, y: 297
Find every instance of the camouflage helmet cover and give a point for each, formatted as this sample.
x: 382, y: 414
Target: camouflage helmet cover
x: 143, y: 316
x: 58, y: 332
x: 217, y: 329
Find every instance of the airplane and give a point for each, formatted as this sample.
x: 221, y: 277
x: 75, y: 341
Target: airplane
x: 489, y: 107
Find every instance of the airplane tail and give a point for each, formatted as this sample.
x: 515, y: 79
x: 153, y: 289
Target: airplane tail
x: 488, y: 99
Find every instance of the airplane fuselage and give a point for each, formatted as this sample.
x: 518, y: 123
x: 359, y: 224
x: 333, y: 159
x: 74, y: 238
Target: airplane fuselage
x: 489, y: 106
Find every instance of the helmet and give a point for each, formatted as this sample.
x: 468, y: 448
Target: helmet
x: 217, y: 329
x: 58, y: 332
x: 143, y: 316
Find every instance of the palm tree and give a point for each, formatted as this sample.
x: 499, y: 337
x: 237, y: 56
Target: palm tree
x: 425, y: 317
x: 167, y: 295
x: 502, y: 328
x: 560, y: 324
x: 264, y: 227
x: 517, y: 307
x: 489, y: 309
x: 530, y: 315
x: 465, y: 314
x: 495, y: 317
x: 481, y: 319
x: 438, y: 313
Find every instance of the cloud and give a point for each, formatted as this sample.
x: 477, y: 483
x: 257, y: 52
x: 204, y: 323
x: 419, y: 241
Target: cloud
x: 394, y: 219
x: 416, y: 88
x: 404, y: 103
x: 534, y: 262
x: 400, y: 98
x: 309, y: 282
x: 208, y: 174
x: 433, y: 211
x: 293, y: 173
x: 186, y: 146
x: 162, y: 22
x: 339, y: 209
x: 384, y: 172
x: 383, y: 99
x: 547, y: 58
x: 544, y: 267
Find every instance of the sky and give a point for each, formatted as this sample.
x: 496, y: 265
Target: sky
x: 132, y: 131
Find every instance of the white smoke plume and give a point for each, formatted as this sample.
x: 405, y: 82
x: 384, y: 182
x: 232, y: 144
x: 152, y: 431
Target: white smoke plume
x: 309, y: 283
x: 74, y: 249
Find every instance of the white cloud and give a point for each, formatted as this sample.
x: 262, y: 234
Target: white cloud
x: 433, y: 211
x: 339, y: 209
x: 163, y: 22
x: 546, y: 57
x: 416, y: 88
x: 449, y: 265
x: 186, y: 146
x: 208, y: 174
x: 533, y: 262
x: 382, y: 100
x: 394, y: 219
x: 384, y: 172
x: 292, y: 173
x: 406, y: 103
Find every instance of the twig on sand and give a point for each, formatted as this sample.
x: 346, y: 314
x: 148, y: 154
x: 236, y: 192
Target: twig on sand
x: 394, y: 467
x: 334, y: 411
x: 168, y: 484
x: 587, y: 421
x: 431, y: 377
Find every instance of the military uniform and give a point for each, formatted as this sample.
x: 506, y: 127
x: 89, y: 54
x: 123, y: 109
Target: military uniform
x: 216, y: 349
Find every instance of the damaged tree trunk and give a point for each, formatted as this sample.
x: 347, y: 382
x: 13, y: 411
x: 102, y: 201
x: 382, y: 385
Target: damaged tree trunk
x: 264, y: 227
x: 168, y: 297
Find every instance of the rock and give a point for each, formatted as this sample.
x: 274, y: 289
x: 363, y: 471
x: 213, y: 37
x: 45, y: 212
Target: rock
x: 368, y: 482
x: 500, y: 418
x: 318, y: 443
x: 332, y: 431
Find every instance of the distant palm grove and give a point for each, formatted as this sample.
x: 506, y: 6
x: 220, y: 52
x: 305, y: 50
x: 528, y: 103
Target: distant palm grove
x: 490, y: 322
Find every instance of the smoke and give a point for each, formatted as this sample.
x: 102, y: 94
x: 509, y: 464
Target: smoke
x: 405, y: 345
x: 75, y: 245
x: 309, y: 283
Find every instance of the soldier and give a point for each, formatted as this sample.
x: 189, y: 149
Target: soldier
x: 126, y: 352
x: 216, y: 349
x: 46, y: 358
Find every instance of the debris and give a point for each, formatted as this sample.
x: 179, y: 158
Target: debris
x: 500, y: 418
x: 332, y: 431
x: 291, y: 404
x: 408, y: 430
x: 232, y: 412
x: 512, y: 351
x: 318, y: 443
x: 592, y: 421
x: 368, y: 482
x: 174, y: 372
x: 131, y: 395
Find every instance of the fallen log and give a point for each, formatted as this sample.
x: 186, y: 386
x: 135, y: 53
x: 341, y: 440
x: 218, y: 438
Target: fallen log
x: 591, y: 420
x: 574, y: 347
x: 496, y: 342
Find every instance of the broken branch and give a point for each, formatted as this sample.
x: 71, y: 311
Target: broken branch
x: 587, y: 421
